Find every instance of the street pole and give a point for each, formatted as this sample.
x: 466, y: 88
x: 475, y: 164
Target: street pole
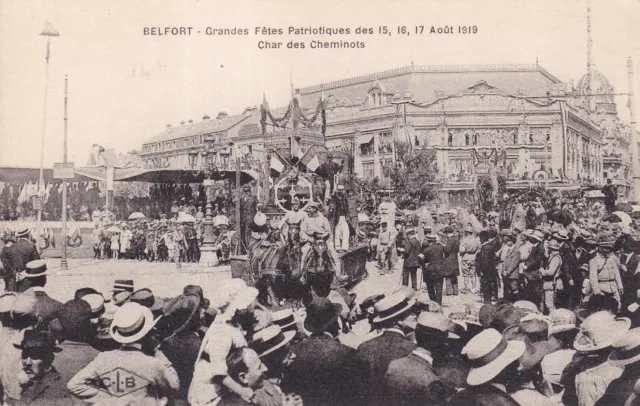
x: 239, y: 249
x: 63, y: 262
x: 48, y: 33
x: 635, y: 153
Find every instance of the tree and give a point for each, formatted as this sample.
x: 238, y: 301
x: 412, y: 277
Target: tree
x: 415, y: 175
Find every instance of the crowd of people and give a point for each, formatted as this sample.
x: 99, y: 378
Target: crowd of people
x: 131, y: 347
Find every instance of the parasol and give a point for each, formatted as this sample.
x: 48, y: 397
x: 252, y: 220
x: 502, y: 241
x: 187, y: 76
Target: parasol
x: 136, y: 216
x: 624, y: 218
x: 186, y: 218
x: 113, y: 229
x: 624, y: 207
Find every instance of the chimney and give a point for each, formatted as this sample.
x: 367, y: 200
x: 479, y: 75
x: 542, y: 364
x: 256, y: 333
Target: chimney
x: 182, y: 122
x: 205, y: 118
x: 222, y: 115
x: 190, y: 121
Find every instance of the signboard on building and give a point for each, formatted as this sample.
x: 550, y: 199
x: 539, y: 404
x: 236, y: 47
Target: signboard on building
x: 63, y: 170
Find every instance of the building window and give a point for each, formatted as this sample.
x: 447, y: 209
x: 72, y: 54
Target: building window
x: 368, y: 171
x: 249, y: 149
x: 385, y: 143
x: 366, y: 149
x: 193, y: 141
x: 175, y: 144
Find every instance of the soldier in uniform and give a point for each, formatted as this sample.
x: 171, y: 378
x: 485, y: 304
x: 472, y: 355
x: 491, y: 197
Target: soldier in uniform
x: 604, y: 272
x: 248, y: 203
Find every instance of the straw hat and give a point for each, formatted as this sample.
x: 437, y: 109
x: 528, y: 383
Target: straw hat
x: 284, y: 318
x: 599, y: 331
x: 527, y: 306
x: 22, y: 232
x: 96, y: 301
x: 562, y: 320
x: 271, y: 339
x: 561, y: 235
x: 36, y: 268
x: 553, y: 245
x: 392, y: 306
x: 626, y: 349
x: 131, y: 323
x: 489, y: 354
x: 537, y: 235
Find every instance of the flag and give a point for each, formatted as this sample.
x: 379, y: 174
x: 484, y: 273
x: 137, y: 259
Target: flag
x: 310, y: 159
x: 265, y: 105
x: 296, y: 152
x: 276, y: 163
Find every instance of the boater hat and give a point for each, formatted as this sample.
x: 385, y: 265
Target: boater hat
x: 36, y: 268
x: 270, y: 339
x: 123, y: 285
x: 489, y: 353
x: 392, y: 306
x: 626, y: 350
x: 131, y: 323
x: 96, y: 301
x: 22, y: 232
x: 283, y: 318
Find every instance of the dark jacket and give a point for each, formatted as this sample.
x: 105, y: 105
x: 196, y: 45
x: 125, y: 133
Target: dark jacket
x: 486, y: 262
x: 451, y: 249
x: 536, y: 260
x: 434, y: 260
x: 248, y: 208
x: 373, y: 358
x: 322, y: 372
x: 569, y: 267
x: 51, y: 390
x: 18, y: 255
x: 412, y: 381
x: 182, y: 350
x: 71, y: 360
x: 411, y: 252
x: 484, y: 395
x: 620, y: 389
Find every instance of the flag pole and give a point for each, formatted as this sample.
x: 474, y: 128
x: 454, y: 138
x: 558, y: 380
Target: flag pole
x: 49, y: 32
x: 63, y: 261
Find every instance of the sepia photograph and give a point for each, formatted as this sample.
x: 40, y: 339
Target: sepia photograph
x: 292, y: 203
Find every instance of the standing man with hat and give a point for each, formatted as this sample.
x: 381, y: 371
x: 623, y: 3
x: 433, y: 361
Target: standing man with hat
x: 625, y: 353
x: 322, y: 370
x: 469, y: 246
x: 510, y: 256
x: 248, y: 203
x: 411, y: 259
x: 340, y: 213
x: 412, y: 380
x: 551, y: 281
x: 374, y: 356
x: 132, y: 327
x: 433, y: 268
x: 569, y: 267
x: 8, y: 239
x: 532, y: 277
x: 604, y: 272
x: 452, y: 267
x: 18, y: 255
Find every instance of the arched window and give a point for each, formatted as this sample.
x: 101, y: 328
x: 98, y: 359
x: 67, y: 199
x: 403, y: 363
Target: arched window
x: 466, y: 139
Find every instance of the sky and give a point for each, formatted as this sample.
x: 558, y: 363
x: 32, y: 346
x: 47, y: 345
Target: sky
x: 125, y: 87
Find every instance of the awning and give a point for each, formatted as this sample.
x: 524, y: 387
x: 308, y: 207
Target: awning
x: 180, y: 175
x: 364, y: 138
x: 23, y: 175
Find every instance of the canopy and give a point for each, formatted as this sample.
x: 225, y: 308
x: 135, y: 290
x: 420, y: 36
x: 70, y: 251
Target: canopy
x: 23, y: 175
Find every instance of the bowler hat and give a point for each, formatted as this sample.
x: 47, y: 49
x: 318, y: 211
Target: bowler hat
x: 37, y: 340
x: 74, y: 320
x: 321, y: 313
x: 146, y: 298
x: 178, y: 313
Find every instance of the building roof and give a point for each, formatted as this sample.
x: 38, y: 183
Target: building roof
x: 199, y: 128
x: 425, y: 82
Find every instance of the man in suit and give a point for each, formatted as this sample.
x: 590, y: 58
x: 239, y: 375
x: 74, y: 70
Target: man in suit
x: 628, y: 263
x: 40, y: 383
x: 433, y: 268
x: 411, y: 259
x: 452, y: 269
x: 374, y: 356
x: 412, y: 380
x: 245, y: 367
x: 568, y: 269
x: 248, y: 203
x: 532, y: 277
x: 486, y: 263
x: 510, y: 256
x: 322, y: 370
x: 18, y: 255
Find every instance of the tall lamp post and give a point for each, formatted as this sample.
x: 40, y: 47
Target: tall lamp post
x: 49, y: 31
x: 208, y: 166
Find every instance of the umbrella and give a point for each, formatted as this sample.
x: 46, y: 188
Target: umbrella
x: 624, y: 217
x: 560, y: 216
x: 113, y: 229
x: 186, y: 218
x: 136, y: 216
x: 624, y: 207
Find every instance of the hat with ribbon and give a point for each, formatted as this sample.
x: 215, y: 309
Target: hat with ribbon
x: 431, y: 237
x: 22, y: 232
x: 369, y: 302
x: 561, y: 235
x: 489, y: 353
x: 146, y: 298
x: 392, y: 306
x: 123, y: 285
x: 626, y: 349
x: 131, y: 323
x: 321, y: 313
x: 433, y: 324
x: 271, y: 339
x: 36, y: 268
x: 285, y: 319
x: 537, y: 235
x: 553, y: 245
x: 96, y: 301
x: 82, y: 292
x: 599, y: 331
